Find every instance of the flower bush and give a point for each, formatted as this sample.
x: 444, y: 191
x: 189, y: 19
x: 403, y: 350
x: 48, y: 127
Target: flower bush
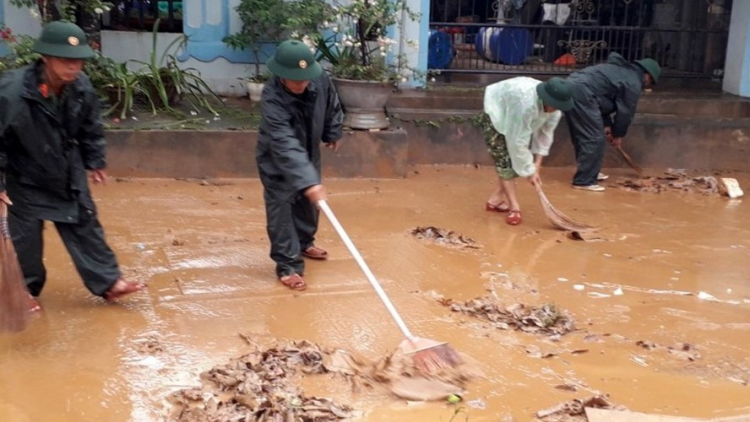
x: 354, y: 37
x: 21, y: 50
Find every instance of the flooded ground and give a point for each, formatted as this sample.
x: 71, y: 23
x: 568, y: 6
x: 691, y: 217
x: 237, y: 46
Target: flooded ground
x: 203, y: 250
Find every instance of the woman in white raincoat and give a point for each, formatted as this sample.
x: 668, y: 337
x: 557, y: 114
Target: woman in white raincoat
x: 521, y: 115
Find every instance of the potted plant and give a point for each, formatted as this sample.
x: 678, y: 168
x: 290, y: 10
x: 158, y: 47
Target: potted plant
x: 263, y: 23
x: 359, y: 52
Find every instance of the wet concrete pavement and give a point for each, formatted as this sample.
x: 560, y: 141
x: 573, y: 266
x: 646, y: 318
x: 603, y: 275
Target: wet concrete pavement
x: 203, y: 251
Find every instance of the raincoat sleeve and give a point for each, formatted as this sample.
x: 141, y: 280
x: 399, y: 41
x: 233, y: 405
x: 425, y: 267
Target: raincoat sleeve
x: 542, y: 141
x: 332, y: 131
x: 626, y: 102
x: 91, y: 135
x: 286, y: 150
x: 517, y: 138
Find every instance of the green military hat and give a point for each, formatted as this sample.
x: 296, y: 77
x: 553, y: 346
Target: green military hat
x: 652, y: 67
x: 556, y: 93
x: 63, y: 39
x: 294, y: 61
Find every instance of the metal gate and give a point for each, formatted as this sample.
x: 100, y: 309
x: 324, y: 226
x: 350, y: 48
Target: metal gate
x: 687, y: 37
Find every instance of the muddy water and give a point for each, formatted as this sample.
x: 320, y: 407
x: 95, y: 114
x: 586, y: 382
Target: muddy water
x: 203, y: 250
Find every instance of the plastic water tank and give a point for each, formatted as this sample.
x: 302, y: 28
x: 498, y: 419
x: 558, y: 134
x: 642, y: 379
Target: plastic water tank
x: 510, y: 46
x: 441, y: 50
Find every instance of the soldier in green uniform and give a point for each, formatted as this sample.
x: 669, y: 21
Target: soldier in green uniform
x: 51, y: 135
x: 606, y: 96
x: 299, y: 109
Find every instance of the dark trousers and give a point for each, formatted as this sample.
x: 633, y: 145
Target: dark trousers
x: 586, y: 127
x: 291, y: 222
x: 94, y: 260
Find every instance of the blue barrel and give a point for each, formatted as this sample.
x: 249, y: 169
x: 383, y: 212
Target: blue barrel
x: 441, y: 50
x: 510, y: 46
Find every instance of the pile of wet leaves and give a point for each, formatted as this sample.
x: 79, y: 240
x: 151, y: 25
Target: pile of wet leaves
x: 261, y: 386
x: 546, y: 319
x: 672, y: 180
x: 258, y: 387
x: 575, y: 410
x: 444, y: 237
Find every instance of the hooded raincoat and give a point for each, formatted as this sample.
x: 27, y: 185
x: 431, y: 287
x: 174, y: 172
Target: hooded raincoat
x: 288, y: 157
x: 517, y: 113
x: 46, y: 146
x: 605, y: 95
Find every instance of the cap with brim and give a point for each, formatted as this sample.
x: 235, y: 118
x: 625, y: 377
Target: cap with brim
x: 556, y: 93
x: 65, y: 40
x: 652, y: 67
x: 294, y: 61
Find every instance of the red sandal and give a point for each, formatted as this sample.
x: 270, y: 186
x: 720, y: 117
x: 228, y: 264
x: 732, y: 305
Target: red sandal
x: 501, y: 207
x: 514, y: 218
x: 314, y: 252
x: 294, y: 282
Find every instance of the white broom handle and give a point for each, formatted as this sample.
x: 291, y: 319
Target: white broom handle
x: 370, y: 277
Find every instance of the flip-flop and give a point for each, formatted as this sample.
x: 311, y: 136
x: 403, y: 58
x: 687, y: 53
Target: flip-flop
x: 314, y: 252
x: 130, y: 287
x: 501, y: 207
x: 293, y: 282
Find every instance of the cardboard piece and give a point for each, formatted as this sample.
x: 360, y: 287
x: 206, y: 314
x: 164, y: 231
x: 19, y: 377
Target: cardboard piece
x: 604, y: 415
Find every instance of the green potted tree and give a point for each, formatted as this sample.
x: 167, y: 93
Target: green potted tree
x: 263, y: 23
x: 361, y: 55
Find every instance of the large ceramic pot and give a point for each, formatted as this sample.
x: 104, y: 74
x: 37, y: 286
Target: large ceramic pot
x: 364, y: 103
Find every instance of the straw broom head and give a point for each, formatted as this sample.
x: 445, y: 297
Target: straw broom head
x: 14, y: 315
x: 557, y: 218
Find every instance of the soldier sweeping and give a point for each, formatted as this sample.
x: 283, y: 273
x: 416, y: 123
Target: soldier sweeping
x: 299, y: 109
x: 51, y: 134
x: 520, y: 121
x: 602, y: 91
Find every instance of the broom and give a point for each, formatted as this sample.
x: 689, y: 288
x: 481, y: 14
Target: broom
x: 557, y: 218
x: 14, y: 314
x: 630, y: 161
x: 429, y: 355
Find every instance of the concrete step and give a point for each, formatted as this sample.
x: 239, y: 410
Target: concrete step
x: 692, y: 104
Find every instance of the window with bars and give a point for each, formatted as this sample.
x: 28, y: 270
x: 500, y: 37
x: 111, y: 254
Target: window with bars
x: 140, y: 15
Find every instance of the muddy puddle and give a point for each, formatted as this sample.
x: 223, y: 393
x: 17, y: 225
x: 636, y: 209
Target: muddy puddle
x: 660, y: 309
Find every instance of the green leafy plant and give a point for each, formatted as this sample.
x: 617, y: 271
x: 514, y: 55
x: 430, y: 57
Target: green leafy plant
x: 263, y: 21
x: 166, y: 83
x: 116, y: 85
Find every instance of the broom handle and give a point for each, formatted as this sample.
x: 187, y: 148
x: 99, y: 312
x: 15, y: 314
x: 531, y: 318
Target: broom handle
x: 365, y: 269
x: 629, y: 160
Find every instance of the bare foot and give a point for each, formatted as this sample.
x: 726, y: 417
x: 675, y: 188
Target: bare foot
x: 34, y: 305
x: 122, y: 288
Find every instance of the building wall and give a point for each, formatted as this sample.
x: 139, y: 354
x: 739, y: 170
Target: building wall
x: 207, y: 22
x: 223, y: 76
x: 737, y: 69
x: 19, y: 19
